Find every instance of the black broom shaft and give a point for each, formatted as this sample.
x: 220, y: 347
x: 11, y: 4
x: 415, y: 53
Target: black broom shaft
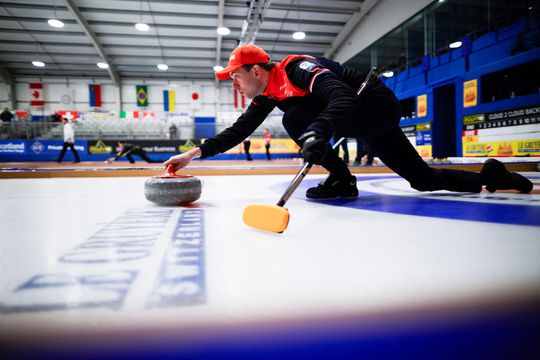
x: 299, y: 177
x: 307, y: 166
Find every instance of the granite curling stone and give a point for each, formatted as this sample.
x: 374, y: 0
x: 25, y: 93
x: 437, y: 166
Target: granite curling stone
x: 172, y: 189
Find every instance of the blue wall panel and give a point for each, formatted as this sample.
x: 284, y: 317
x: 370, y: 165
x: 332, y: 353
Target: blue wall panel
x: 491, y: 54
x: 484, y: 41
x: 447, y: 71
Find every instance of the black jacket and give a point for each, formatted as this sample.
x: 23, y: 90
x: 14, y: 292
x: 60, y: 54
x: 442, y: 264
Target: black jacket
x: 331, y: 106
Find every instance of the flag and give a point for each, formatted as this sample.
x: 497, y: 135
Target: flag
x: 168, y: 100
x: 148, y: 115
x: 142, y: 95
x: 236, y: 97
x: 95, y: 95
x: 195, y: 98
x: 68, y: 114
x: 129, y: 114
x: 36, y: 94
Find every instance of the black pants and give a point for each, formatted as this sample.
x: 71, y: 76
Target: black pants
x: 73, y: 150
x: 247, y: 145
x: 140, y: 153
x: 363, y: 149
x: 387, y: 142
x: 396, y: 152
x: 267, y: 146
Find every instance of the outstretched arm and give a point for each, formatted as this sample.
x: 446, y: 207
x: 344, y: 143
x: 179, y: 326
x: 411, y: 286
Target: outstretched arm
x: 183, y: 160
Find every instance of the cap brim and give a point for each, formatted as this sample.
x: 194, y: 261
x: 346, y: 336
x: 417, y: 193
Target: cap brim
x: 226, y: 73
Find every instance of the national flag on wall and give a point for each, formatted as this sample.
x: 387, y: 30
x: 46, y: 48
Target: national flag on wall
x: 36, y: 94
x: 142, y: 95
x: 168, y: 100
x: 95, y: 95
x: 239, y: 100
x: 195, y: 97
x: 68, y: 114
x: 129, y: 114
x: 148, y: 115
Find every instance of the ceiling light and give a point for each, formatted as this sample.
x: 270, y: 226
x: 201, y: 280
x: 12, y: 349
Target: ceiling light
x: 455, y: 45
x: 299, y: 35
x: 55, y: 23
x: 142, y: 27
x: 102, y: 65
x: 222, y: 30
x: 218, y: 68
x: 162, y: 67
x: 38, y: 63
x: 388, y: 74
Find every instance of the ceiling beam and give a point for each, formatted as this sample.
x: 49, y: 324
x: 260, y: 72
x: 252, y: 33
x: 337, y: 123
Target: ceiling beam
x: 221, y: 11
x: 349, y: 27
x: 90, y: 33
x: 253, y: 21
x: 300, y: 7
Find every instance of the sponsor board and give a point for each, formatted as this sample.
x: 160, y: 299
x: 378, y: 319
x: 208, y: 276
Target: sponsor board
x: 501, y: 148
x: 281, y: 146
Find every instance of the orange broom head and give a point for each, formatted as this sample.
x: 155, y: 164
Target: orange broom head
x: 266, y: 217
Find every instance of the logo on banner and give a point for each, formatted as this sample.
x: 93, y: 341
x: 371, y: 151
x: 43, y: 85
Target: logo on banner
x: 100, y: 148
x: 37, y: 147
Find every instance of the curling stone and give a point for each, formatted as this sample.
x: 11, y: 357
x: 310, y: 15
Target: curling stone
x: 172, y: 189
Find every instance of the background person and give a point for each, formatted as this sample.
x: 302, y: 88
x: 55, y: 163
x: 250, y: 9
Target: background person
x: 267, y: 139
x: 127, y: 150
x: 69, y: 141
x: 247, y: 145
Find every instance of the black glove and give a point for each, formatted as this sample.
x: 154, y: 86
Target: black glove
x: 314, y: 147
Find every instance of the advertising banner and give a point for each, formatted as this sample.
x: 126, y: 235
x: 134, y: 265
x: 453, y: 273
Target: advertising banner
x: 421, y: 105
x: 470, y: 93
x: 420, y: 137
x: 281, y: 146
x: 502, y: 148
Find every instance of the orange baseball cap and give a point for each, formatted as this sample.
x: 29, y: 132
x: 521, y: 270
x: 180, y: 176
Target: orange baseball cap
x: 243, y: 55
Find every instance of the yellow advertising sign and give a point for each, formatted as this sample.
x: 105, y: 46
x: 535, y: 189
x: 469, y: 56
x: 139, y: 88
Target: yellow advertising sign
x: 502, y: 148
x: 281, y: 146
x: 470, y: 93
x: 421, y: 105
x: 424, y: 150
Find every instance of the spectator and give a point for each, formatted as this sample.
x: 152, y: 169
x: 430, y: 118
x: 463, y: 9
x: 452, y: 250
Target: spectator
x: 173, y: 131
x: 362, y: 149
x: 247, y: 145
x: 267, y: 138
x: 6, y: 115
x: 56, y: 117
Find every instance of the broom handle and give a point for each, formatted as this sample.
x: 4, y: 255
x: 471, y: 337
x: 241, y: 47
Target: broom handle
x: 299, y: 177
x: 307, y: 166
